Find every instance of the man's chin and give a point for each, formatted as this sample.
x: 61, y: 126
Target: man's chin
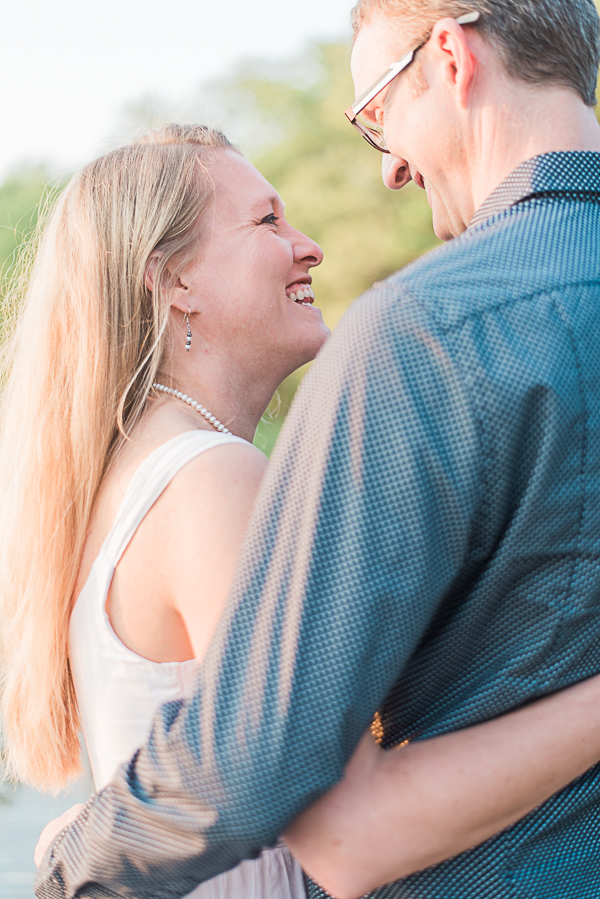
x: 443, y: 226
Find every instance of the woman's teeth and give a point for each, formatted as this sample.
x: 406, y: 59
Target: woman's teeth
x: 307, y: 293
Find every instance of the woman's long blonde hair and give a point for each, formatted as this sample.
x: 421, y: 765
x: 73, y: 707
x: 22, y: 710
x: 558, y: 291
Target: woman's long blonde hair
x: 83, y: 339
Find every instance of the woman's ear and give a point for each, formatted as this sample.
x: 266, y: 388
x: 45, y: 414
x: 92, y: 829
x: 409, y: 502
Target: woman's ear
x: 150, y: 271
x: 179, y: 297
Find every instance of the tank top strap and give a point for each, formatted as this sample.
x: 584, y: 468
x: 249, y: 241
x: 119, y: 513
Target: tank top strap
x: 152, y: 477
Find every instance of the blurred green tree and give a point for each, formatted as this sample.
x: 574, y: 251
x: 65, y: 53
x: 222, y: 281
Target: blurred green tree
x: 289, y: 119
x: 20, y: 194
x: 292, y: 119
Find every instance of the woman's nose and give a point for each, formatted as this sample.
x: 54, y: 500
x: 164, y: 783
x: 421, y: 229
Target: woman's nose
x: 307, y: 251
x: 394, y: 171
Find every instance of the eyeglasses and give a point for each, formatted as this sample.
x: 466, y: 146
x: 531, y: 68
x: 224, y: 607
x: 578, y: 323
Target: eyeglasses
x: 372, y: 132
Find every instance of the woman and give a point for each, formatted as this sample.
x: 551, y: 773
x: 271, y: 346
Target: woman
x: 169, y: 299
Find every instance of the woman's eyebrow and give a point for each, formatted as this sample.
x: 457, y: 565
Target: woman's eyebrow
x: 259, y: 205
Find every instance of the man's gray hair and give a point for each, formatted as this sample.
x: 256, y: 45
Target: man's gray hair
x: 539, y: 41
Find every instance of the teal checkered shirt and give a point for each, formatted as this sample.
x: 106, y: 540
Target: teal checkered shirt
x: 426, y: 545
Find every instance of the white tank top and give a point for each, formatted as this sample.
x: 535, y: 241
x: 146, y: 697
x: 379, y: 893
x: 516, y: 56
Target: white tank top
x: 118, y: 691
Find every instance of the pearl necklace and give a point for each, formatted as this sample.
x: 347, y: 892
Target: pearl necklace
x: 197, y: 406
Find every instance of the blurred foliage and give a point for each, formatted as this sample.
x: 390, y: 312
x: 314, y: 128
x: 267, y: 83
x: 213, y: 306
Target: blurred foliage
x: 289, y: 120
x: 329, y: 178
x: 19, y: 196
x: 331, y: 182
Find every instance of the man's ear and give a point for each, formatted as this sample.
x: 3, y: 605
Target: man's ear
x: 450, y: 47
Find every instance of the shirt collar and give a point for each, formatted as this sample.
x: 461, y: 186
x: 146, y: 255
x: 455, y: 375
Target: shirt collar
x: 551, y: 172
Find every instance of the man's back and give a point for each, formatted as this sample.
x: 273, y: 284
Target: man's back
x: 513, y: 306
x: 426, y: 543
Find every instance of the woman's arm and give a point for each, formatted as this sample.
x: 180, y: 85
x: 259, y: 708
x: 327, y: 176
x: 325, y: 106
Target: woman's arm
x: 394, y: 812
x: 210, y: 504
x: 196, y: 536
x: 399, y: 811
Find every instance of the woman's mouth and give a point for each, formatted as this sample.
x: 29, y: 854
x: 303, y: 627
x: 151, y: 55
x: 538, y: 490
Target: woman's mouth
x: 303, y: 294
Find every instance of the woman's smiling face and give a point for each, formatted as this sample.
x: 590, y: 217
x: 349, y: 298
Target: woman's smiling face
x: 251, y: 265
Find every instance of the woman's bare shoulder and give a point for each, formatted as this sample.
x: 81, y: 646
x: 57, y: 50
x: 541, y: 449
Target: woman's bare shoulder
x: 192, y: 537
x: 213, y: 495
x: 173, y: 580
x: 225, y: 469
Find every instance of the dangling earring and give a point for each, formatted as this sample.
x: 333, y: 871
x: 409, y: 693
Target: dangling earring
x: 188, y: 336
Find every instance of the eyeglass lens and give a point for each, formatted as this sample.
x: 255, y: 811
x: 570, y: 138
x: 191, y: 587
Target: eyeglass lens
x: 372, y: 133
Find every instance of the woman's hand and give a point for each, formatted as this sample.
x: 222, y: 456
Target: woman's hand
x: 328, y: 838
x: 398, y: 811
x: 52, y: 830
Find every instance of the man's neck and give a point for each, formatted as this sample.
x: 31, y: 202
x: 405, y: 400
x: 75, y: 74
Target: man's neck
x: 527, y: 124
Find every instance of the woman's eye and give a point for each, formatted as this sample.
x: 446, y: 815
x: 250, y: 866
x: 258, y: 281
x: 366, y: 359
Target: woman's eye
x: 270, y: 219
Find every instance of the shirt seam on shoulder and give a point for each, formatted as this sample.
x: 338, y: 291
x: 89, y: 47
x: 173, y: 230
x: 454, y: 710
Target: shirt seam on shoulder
x: 483, y: 478
x: 561, y: 312
x: 507, y: 303
x: 520, y: 205
x: 482, y: 437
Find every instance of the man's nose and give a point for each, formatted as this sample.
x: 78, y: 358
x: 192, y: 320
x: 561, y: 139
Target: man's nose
x: 394, y: 171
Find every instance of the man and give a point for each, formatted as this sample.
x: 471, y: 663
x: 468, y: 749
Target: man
x: 427, y: 540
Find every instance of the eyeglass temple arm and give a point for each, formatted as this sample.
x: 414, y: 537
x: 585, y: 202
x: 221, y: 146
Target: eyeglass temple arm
x: 372, y: 91
x: 395, y: 69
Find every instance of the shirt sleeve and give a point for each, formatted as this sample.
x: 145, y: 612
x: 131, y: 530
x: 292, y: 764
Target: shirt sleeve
x: 362, y: 526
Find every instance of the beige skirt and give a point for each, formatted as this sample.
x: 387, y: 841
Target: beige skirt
x: 273, y: 875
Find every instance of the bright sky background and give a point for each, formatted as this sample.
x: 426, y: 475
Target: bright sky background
x: 68, y: 67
